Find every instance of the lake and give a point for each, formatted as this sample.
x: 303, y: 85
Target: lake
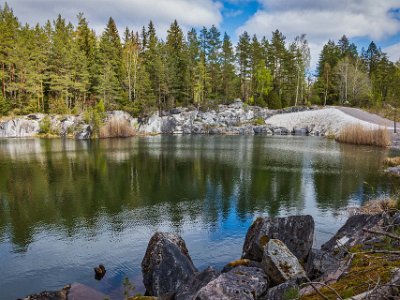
x: 66, y: 206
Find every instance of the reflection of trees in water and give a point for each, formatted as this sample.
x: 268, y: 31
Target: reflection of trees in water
x: 171, y: 179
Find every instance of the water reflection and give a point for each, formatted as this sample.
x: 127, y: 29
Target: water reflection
x: 66, y: 204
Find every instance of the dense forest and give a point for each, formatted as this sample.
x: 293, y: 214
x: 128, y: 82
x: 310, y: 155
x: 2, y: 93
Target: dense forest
x: 61, y: 68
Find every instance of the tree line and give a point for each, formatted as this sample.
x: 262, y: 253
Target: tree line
x: 61, y: 68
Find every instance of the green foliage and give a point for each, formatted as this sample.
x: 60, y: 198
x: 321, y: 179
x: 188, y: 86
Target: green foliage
x: 129, y: 287
x: 259, y: 121
x: 45, y: 125
x: 94, y: 116
x: 291, y: 294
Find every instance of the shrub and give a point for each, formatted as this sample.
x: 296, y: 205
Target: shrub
x: 359, y: 135
x: 259, y: 121
x: 116, y: 128
x: 45, y: 125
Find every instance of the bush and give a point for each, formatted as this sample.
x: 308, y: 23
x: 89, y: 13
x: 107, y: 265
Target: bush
x: 45, y: 125
x: 392, y: 161
x: 259, y: 121
x: 116, y: 128
x: 359, y: 135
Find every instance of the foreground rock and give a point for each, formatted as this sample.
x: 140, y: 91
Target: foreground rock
x: 166, y: 265
x: 47, y: 295
x: 280, y: 264
x: 75, y: 291
x: 241, y: 283
x: 189, y: 290
x: 296, y: 232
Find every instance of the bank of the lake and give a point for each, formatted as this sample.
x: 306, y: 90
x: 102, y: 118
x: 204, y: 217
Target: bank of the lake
x: 234, y: 119
x: 68, y: 205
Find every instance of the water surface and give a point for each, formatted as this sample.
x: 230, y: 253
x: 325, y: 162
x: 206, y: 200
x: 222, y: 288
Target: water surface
x: 66, y: 206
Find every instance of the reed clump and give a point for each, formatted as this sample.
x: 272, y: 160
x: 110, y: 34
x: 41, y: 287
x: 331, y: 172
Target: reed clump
x: 116, y: 128
x: 359, y: 135
x: 392, y: 161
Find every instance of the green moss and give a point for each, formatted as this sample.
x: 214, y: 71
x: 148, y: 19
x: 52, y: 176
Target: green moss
x: 264, y: 240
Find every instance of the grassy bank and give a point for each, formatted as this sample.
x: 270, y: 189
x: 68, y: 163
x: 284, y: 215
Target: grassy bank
x: 359, y: 135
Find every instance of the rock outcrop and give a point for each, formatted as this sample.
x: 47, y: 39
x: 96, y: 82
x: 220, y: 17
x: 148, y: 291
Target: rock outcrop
x: 296, y: 232
x: 166, y: 265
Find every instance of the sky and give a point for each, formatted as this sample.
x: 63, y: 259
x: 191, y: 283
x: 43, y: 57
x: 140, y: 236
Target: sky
x: 360, y: 20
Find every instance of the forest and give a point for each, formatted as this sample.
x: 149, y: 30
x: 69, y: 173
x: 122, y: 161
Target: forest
x: 61, y: 68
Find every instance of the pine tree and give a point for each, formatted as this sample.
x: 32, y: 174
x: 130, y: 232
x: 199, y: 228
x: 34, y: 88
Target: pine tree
x: 110, y: 54
x: 243, y: 51
x: 228, y: 70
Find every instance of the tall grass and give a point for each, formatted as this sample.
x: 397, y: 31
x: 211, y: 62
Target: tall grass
x: 116, y: 128
x: 359, y: 135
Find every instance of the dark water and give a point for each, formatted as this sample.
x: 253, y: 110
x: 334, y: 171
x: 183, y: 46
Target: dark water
x: 66, y: 206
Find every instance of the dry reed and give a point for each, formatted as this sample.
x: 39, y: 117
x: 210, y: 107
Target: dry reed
x: 359, y: 135
x: 116, y: 128
x: 392, y: 161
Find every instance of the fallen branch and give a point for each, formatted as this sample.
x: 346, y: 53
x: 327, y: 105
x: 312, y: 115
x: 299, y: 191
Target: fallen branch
x: 388, y: 234
x: 312, y: 283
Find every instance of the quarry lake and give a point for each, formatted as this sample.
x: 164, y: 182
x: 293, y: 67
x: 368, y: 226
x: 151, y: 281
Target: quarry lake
x: 66, y: 206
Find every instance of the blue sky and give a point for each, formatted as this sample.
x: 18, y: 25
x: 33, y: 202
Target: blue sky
x: 361, y: 20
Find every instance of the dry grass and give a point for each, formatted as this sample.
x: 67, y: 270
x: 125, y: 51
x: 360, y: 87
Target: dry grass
x: 116, y: 128
x: 359, y: 135
x: 392, y: 161
x: 373, y: 207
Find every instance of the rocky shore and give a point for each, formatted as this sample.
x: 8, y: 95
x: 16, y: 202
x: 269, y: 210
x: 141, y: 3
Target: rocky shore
x: 278, y: 262
x: 234, y: 119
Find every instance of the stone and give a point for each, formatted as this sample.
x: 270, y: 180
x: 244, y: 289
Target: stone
x: 395, y: 171
x: 241, y: 283
x: 166, y: 265
x: 280, y: 264
x: 353, y: 233
x: 168, y: 125
x: 287, y: 290
x: 241, y: 262
x: 321, y: 263
x: 188, y: 291
x: 19, y: 127
x: 297, y: 232
x: 300, y: 131
x: 51, y: 295
x: 84, y: 134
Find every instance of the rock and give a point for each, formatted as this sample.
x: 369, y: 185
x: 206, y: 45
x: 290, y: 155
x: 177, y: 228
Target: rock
x: 188, y: 291
x: 168, y: 125
x: 300, y: 131
x: 166, y: 265
x: 287, y: 290
x: 393, y: 171
x: 264, y: 129
x: 19, y: 127
x: 175, y: 111
x: 241, y: 262
x: 352, y: 232
x: 55, y: 295
x: 280, y: 264
x: 84, y: 134
x: 80, y: 291
x: 320, y: 263
x: 241, y: 283
x: 297, y: 232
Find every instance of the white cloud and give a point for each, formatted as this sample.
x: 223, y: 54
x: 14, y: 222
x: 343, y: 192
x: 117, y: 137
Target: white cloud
x: 393, y: 51
x: 325, y: 19
x: 132, y: 13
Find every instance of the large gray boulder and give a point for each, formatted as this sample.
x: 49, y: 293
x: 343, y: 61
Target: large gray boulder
x: 280, y: 264
x: 51, y: 295
x: 296, y: 232
x: 353, y: 232
x: 241, y: 283
x: 166, y: 265
x: 188, y: 291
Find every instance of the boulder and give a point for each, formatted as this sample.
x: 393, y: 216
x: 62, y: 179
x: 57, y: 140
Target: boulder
x: 188, y: 291
x: 353, y: 233
x: 287, y: 290
x: 168, y: 125
x: 280, y: 264
x: 395, y: 171
x: 300, y: 131
x: 84, y: 134
x: 321, y: 263
x: 241, y: 283
x: 166, y: 265
x: 297, y: 232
